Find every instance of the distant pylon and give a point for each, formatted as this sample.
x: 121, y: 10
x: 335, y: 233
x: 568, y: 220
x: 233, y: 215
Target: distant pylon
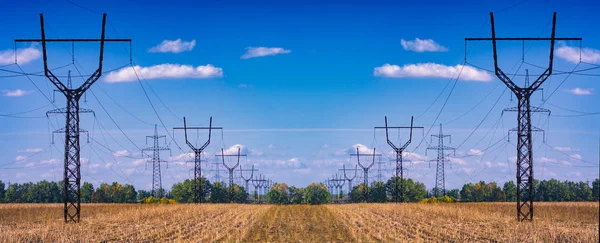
x: 156, y: 173
x: 440, y: 180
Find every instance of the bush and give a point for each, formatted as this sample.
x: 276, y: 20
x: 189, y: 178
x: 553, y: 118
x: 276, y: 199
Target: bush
x: 155, y: 200
x: 444, y: 199
x: 316, y: 193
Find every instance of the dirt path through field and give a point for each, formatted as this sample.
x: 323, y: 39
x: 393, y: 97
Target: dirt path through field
x: 298, y: 223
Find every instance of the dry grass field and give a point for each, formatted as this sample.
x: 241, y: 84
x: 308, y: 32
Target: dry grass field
x: 477, y: 222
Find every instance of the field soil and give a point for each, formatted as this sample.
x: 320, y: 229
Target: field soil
x: 465, y: 222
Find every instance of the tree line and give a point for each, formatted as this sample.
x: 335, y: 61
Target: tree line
x: 393, y: 190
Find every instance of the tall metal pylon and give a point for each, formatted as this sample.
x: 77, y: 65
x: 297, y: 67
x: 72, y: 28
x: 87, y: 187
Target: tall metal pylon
x: 197, y: 185
x: 399, y: 192
x: 366, y: 168
x: 156, y: 173
x: 524, y: 109
x: 247, y: 180
x: 72, y: 163
x: 232, y: 168
x: 350, y: 179
x: 440, y: 179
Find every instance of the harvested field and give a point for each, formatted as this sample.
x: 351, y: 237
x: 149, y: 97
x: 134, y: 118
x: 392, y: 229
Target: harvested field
x: 469, y: 222
x: 466, y: 222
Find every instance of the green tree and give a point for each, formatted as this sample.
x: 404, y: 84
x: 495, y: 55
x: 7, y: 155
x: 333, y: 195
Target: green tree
x: 316, y: 193
x: 2, y: 191
x: 102, y: 194
x: 237, y: 194
x: 296, y: 195
x: 596, y: 189
x: 454, y: 193
x: 129, y: 194
x: 359, y: 193
x: 467, y: 193
x: 141, y: 194
x: 377, y: 193
x: 14, y: 193
x: 87, y: 191
x: 278, y: 194
x: 218, y: 193
x: 510, y: 191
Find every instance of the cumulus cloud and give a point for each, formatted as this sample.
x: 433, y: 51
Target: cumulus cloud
x: 174, y: 46
x: 572, y: 54
x: 457, y: 161
x: 164, y: 71
x: 475, y: 152
x: 24, y: 55
x: 30, y: 150
x: 20, y: 158
x: 419, y: 45
x: 138, y: 162
x: 432, y: 70
x: 263, y: 51
x: 414, y: 157
x: 581, y: 91
x: 576, y: 156
x: 121, y: 153
x: 15, y: 93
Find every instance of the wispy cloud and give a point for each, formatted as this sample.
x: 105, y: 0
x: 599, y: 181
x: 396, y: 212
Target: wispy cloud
x: 432, y: 70
x: 572, y: 54
x: 263, y: 51
x: 566, y: 149
x: 581, y: 91
x: 121, y: 153
x: 30, y: 150
x: 419, y: 45
x: 15, y: 93
x: 174, y: 46
x: 164, y: 71
x: 24, y: 55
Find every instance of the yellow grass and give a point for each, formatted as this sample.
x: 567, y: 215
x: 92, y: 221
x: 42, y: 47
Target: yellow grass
x: 132, y: 223
x: 477, y: 222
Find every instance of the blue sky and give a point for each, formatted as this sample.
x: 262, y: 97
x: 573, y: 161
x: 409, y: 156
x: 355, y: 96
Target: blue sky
x: 298, y: 86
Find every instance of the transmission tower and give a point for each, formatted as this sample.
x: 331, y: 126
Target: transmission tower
x: 156, y: 174
x: 440, y: 180
x: 232, y: 168
x: 338, y: 183
x: 247, y: 180
x: 399, y: 192
x: 217, y: 169
x: 524, y: 109
x: 72, y: 170
x: 366, y: 168
x: 198, y: 190
x: 350, y: 179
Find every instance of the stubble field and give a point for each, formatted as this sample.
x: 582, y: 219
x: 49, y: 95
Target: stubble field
x: 477, y: 222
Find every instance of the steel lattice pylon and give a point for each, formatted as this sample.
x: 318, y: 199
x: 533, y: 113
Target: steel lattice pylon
x: 399, y: 192
x: 72, y: 163
x: 156, y: 173
x: 197, y: 185
x: 525, y: 187
x: 440, y: 180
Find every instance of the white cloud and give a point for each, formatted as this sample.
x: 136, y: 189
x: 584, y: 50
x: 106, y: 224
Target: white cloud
x: 31, y: 150
x: 488, y: 164
x: 432, y: 70
x: 263, y: 51
x: 581, y: 91
x: 108, y: 165
x: 50, y: 161
x: 419, y: 45
x: 24, y: 55
x: 138, y: 162
x: 362, y: 149
x: 15, y: 93
x: 94, y: 166
x: 414, y: 157
x: 457, y: 161
x: 121, y: 153
x: 20, y: 158
x: 326, y: 146
x: 475, y: 152
x: 502, y: 164
x: 576, y: 156
x: 271, y: 146
x: 174, y: 46
x: 30, y: 165
x: 566, y: 149
x: 233, y: 150
x: 572, y: 54
x: 164, y: 71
